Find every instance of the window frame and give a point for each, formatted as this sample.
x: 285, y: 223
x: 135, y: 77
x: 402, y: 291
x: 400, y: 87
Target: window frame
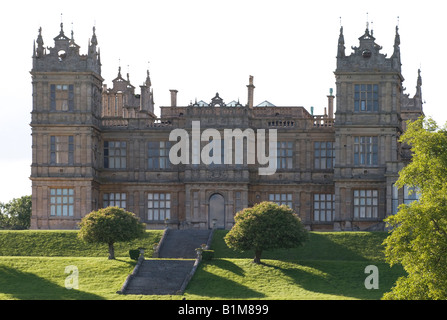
x: 320, y: 204
x: 329, y: 159
x: 114, y: 156
x: 366, y: 151
x: 154, y: 208
x: 61, y: 150
x: 366, y: 97
x: 284, y: 156
x: 61, y: 202
x: 282, y: 198
x: 362, y: 194
x: 158, y: 155
x: 114, y: 199
x: 62, y: 97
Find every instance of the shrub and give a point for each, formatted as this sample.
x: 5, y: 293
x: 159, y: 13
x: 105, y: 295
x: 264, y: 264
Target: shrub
x: 134, y: 254
x: 207, y: 255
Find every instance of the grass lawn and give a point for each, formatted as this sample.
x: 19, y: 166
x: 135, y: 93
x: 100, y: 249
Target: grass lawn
x: 329, y: 266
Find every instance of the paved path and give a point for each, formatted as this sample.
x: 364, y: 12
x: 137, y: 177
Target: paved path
x: 167, y: 274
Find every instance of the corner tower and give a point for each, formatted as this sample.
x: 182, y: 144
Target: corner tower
x: 64, y: 120
x: 367, y: 126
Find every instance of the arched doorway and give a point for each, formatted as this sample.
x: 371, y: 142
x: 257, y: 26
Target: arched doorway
x: 216, y: 212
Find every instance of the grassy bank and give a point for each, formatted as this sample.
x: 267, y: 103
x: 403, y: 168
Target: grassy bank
x: 329, y: 266
x: 58, y: 243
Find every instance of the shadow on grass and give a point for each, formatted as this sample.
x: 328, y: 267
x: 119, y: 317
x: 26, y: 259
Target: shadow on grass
x: 207, y: 284
x: 329, y: 263
x: 344, y: 279
x: 320, y: 246
x: 28, y: 286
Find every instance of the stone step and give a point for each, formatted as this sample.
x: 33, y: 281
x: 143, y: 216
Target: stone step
x: 182, y: 243
x: 167, y: 274
x: 160, y: 277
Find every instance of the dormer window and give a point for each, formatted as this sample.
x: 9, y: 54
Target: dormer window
x: 366, y: 98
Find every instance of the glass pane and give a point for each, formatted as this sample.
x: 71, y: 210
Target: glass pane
x: 168, y: 213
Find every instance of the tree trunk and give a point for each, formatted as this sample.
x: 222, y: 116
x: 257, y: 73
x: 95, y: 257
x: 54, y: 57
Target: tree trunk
x: 257, y: 258
x: 111, y: 251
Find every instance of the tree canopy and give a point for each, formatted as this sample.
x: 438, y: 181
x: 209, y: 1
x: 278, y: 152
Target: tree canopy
x: 16, y: 214
x: 418, y: 239
x: 110, y: 225
x: 266, y: 226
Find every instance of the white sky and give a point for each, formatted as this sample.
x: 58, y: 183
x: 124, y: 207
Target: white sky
x: 208, y: 46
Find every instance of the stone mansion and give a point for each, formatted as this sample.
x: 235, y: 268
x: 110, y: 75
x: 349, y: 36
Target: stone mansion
x: 95, y: 146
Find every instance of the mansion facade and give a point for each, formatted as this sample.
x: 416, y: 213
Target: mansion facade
x: 94, y: 146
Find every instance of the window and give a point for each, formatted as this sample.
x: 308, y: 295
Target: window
x: 411, y: 194
x: 61, y: 149
x: 238, y: 201
x: 366, y: 204
x: 62, y: 97
x: 281, y: 198
x: 366, y: 97
x: 158, y: 155
x: 284, y: 155
x: 366, y: 151
x: 158, y: 206
x: 114, y: 200
x: 324, y: 207
x: 394, y: 199
x: 195, y: 203
x: 115, y: 156
x: 222, y: 151
x: 61, y: 202
x: 324, y: 155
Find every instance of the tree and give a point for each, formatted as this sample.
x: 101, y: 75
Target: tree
x: 16, y: 214
x: 418, y: 238
x: 110, y: 225
x: 266, y: 226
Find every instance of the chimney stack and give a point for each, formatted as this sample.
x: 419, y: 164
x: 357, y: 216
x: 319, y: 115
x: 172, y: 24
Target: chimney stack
x: 331, y: 104
x: 251, y: 88
x: 173, y: 98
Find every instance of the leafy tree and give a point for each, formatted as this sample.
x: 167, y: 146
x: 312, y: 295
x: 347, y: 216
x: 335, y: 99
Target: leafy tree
x: 266, y: 226
x: 110, y: 225
x: 16, y: 214
x: 418, y: 239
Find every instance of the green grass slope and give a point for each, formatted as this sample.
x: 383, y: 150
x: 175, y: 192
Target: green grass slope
x: 328, y: 266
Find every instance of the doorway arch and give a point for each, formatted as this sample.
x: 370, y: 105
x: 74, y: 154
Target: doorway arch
x: 216, y: 212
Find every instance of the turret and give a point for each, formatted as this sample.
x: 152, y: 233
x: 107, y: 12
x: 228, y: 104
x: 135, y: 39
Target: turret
x: 65, y: 55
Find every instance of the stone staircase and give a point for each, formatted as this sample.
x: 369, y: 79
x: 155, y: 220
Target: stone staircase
x: 172, y: 270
